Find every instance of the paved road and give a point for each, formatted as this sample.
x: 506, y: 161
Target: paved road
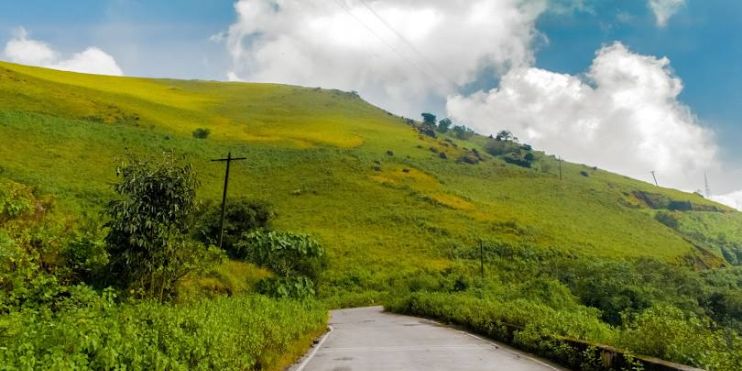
x: 369, y: 339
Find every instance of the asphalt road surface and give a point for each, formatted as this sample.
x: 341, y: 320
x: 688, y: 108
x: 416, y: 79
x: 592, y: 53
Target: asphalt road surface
x: 369, y: 339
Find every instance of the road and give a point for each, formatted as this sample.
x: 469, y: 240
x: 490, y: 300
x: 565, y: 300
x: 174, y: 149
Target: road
x: 369, y: 339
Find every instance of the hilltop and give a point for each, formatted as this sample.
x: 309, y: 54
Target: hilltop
x: 374, y: 189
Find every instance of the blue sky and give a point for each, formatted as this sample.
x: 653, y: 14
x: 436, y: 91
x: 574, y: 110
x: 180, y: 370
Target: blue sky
x: 702, y: 41
x: 406, y: 49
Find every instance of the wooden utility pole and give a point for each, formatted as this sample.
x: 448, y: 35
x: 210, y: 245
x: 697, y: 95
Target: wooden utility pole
x: 655, y: 179
x: 228, y: 160
x: 560, y: 167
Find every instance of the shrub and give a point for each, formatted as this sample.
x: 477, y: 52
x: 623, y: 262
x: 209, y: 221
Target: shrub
x: 240, y: 216
x: 462, y: 132
x: 201, y: 133
x: 295, y: 258
x: 285, y: 253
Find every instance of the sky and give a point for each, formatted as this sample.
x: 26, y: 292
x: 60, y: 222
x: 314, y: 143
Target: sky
x: 631, y: 86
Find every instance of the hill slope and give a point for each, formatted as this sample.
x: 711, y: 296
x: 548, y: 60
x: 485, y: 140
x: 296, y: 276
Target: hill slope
x: 374, y: 190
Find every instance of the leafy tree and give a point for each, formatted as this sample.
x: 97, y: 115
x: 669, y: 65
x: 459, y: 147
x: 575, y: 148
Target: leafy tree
x: 506, y: 135
x: 149, y: 221
x: 444, y: 125
x: 240, y: 216
x: 462, y: 132
x: 428, y: 119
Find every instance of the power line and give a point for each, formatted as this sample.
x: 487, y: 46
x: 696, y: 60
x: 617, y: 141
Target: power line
x: 413, y: 64
x: 409, y: 44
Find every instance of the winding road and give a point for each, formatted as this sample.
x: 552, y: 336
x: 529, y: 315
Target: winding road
x: 369, y: 339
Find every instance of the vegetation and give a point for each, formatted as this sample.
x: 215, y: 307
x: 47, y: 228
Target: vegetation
x: 201, y: 133
x: 570, y: 250
x: 537, y: 299
x: 297, y: 260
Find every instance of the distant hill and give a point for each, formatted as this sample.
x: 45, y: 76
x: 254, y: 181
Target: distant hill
x: 381, y: 195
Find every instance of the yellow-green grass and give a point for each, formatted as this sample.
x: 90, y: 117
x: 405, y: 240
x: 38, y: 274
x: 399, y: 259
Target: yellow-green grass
x: 319, y: 157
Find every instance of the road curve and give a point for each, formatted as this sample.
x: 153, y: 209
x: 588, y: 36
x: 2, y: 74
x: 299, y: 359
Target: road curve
x: 364, y: 339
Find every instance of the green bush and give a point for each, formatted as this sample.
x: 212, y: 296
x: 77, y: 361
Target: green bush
x: 296, y: 259
x: 241, y: 216
x: 285, y: 253
x: 201, y: 133
x: 669, y: 333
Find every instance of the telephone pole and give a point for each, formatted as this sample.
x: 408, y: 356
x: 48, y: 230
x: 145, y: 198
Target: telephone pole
x: 560, y: 167
x: 228, y: 160
x: 655, y: 179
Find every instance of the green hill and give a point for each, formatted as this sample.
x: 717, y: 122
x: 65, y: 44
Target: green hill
x: 366, y: 183
x: 488, y: 234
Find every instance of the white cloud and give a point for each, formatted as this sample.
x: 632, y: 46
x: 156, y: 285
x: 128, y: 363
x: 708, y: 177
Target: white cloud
x: 24, y: 50
x: 623, y: 115
x: 733, y: 199
x: 396, y: 53
x: 664, y: 9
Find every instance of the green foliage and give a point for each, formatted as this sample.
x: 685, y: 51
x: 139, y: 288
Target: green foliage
x: 297, y: 260
x: 201, y: 133
x: 506, y: 136
x: 92, y: 331
x: 501, y: 147
x: 148, y: 227
x: 462, y: 132
x: 285, y: 253
x: 428, y: 119
x: 85, y: 253
x: 15, y: 200
x: 444, y: 125
x: 295, y: 287
x: 669, y: 333
x: 241, y: 216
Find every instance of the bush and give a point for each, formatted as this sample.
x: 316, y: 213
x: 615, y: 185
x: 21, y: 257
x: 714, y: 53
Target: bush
x: 669, y: 333
x: 241, y: 216
x: 296, y: 259
x: 462, y: 132
x: 201, y: 133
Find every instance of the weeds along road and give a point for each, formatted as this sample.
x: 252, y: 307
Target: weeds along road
x: 370, y: 339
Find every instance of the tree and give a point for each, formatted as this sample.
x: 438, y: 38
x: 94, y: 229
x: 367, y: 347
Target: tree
x: 444, y: 125
x: 148, y: 228
x: 505, y: 135
x: 241, y: 216
x: 428, y: 119
x: 462, y: 132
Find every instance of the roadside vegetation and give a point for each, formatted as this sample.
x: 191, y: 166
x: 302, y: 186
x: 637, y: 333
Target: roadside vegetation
x: 339, y: 204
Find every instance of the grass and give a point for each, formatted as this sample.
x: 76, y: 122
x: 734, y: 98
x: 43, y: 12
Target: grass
x: 399, y: 222
x: 319, y: 157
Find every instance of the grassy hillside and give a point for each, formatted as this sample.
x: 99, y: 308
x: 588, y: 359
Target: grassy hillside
x: 568, y: 251
x: 366, y: 184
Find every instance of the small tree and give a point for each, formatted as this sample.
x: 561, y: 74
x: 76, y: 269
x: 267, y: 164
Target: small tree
x: 147, y: 239
x: 462, y: 132
x: 444, y: 125
x: 428, y: 119
x: 505, y: 135
x: 241, y: 216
